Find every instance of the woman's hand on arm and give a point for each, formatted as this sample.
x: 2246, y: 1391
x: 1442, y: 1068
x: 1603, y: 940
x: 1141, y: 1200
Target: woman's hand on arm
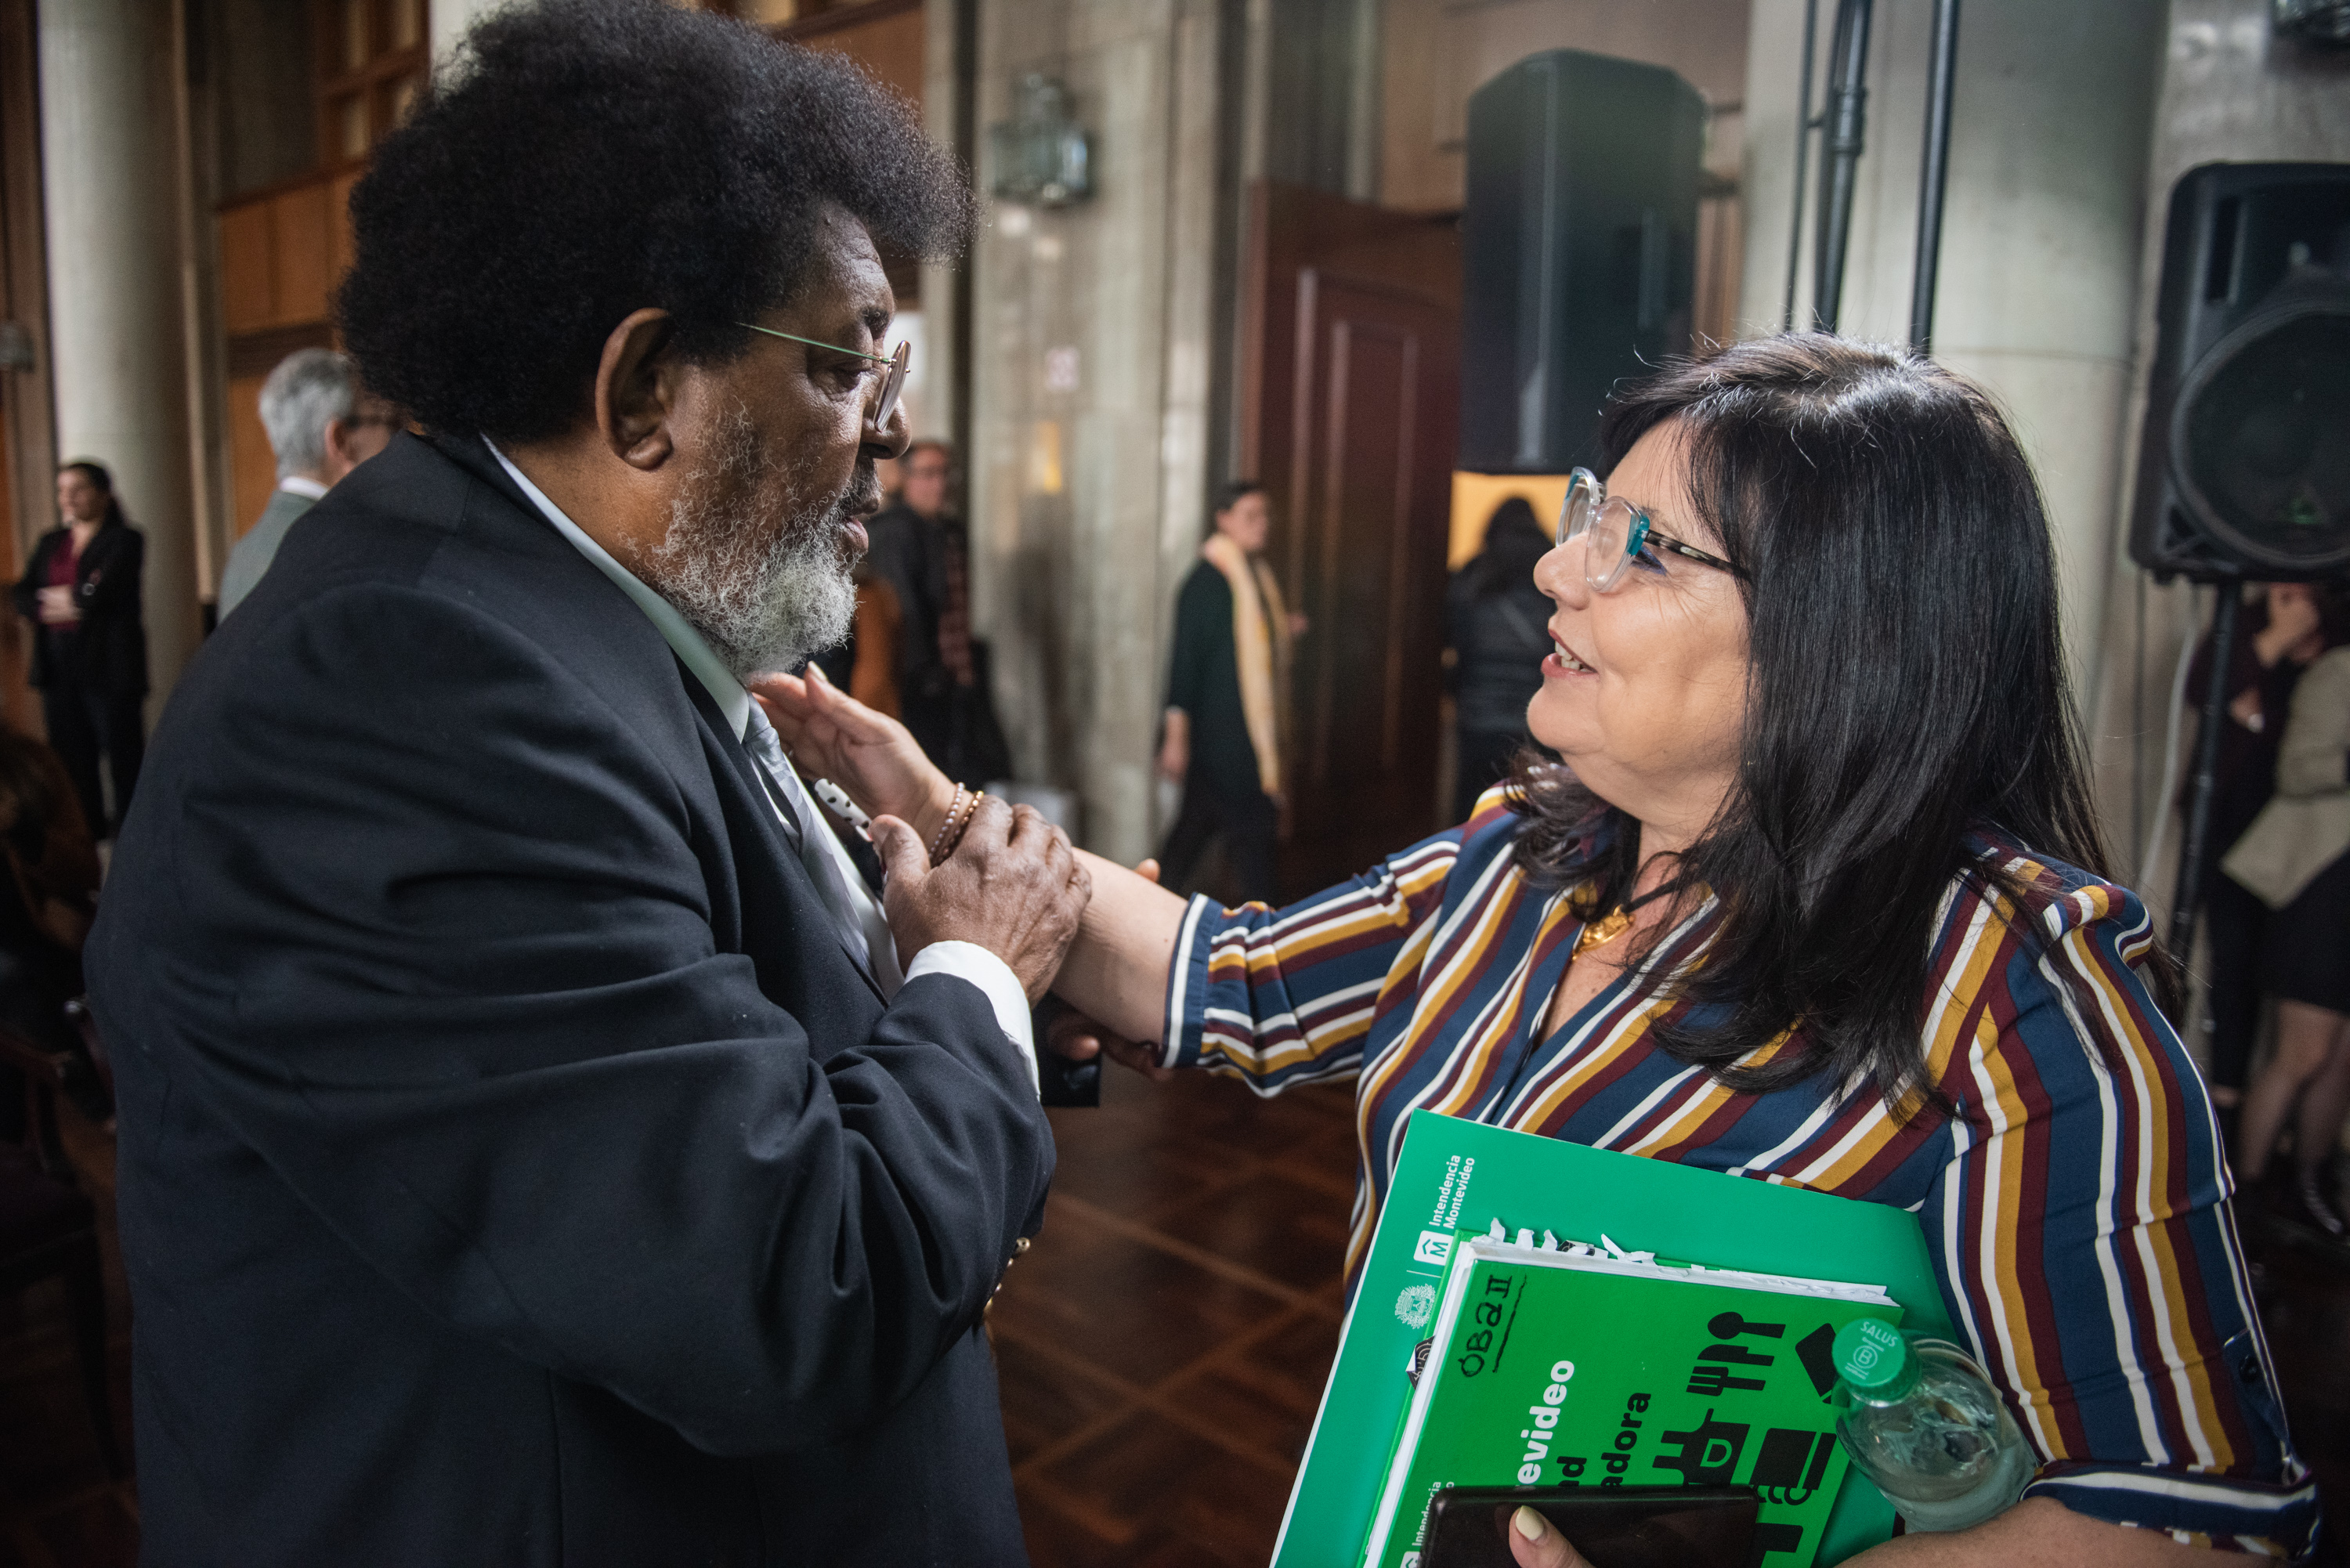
x: 1076, y: 1038
x: 1073, y: 1035
x: 868, y: 755
x: 2038, y: 1533
x: 1116, y: 972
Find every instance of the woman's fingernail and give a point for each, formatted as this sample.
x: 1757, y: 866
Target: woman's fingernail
x: 1529, y: 1523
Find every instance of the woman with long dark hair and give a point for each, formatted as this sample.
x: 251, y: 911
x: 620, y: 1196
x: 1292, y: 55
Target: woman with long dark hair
x: 81, y: 592
x: 1818, y: 897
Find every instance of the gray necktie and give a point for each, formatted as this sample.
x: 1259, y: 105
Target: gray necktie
x: 767, y: 750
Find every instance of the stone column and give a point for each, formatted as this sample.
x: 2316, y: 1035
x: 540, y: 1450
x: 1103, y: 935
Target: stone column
x: 2041, y: 236
x: 1091, y: 395
x: 109, y: 159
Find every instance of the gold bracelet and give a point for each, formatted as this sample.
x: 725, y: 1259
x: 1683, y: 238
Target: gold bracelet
x: 939, y: 841
x: 962, y: 826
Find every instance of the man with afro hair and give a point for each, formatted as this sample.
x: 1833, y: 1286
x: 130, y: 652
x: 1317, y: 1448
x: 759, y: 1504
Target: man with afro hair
x: 539, y: 1145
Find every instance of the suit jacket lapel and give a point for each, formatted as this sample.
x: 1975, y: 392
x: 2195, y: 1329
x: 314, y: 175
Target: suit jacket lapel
x: 768, y: 855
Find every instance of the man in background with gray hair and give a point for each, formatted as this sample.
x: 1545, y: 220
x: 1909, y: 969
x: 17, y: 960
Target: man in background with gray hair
x: 321, y: 425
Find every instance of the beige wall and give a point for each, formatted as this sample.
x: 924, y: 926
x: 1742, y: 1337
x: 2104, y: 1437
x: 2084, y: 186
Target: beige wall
x: 1435, y: 53
x: 2042, y: 225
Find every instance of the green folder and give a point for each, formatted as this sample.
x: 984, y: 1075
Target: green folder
x: 1456, y: 1175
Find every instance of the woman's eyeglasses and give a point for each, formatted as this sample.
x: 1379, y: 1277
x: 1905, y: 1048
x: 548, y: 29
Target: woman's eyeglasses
x: 1615, y: 533
x: 892, y: 384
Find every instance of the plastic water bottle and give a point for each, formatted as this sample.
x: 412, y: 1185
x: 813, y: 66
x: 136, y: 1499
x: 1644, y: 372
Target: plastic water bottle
x: 1920, y: 1420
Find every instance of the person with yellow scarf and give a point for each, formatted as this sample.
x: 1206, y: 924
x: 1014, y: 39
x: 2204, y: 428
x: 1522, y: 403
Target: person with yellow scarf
x: 1227, y: 697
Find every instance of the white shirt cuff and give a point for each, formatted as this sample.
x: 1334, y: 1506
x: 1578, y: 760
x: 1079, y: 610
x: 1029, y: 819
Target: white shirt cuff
x: 969, y: 961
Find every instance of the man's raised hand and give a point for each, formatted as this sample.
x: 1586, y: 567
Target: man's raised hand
x: 1012, y: 886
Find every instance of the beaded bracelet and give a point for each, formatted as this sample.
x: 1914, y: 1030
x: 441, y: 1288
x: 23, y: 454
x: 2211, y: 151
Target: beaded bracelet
x: 960, y: 826
x: 938, y: 844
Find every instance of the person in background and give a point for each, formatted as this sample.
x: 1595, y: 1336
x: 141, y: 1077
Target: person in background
x: 2279, y: 634
x: 89, y: 655
x: 2305, y: 958
x: 865, y: 666
x: 1227, y: 687
x: 1494, y: 616
x: 917, y: 550
x: 321, y: 425
x: 46, y: 902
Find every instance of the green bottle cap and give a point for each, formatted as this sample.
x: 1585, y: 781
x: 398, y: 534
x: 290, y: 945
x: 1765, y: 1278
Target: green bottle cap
x: 1871, y: 1354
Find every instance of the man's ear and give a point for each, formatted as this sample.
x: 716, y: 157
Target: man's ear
x: 635, y: 382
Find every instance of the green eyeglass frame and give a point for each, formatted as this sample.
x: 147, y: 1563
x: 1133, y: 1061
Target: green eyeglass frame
x: 1616, y: 532
x: 892, y: 384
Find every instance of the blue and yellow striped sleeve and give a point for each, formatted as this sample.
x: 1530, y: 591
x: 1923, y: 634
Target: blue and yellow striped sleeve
x: 1288, y: 996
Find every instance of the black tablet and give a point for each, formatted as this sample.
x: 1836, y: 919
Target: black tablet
x: 1612, y: 1527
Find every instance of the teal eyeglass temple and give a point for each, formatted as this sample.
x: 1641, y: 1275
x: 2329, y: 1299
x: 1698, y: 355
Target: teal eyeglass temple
x: 817, y: 343
x: 891, y: 387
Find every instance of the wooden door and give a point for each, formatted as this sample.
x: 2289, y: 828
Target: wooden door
x: 1350, y: 398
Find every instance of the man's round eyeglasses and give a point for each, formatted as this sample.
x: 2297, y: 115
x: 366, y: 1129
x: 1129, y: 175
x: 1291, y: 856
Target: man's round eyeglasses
x: 1616, y: 534
x: 892, y: 384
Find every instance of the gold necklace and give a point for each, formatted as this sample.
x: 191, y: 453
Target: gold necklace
x: 1601, y: 932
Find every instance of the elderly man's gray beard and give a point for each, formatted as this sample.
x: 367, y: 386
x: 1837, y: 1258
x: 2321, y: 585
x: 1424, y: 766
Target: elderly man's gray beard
x: 766, y: 584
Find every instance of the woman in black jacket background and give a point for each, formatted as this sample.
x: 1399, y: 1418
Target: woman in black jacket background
x: 80, y: 590
x: 1496, y: 623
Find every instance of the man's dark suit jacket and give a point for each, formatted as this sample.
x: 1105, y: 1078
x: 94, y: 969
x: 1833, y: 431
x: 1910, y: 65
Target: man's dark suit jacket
x: 110, y: 641
x: 514, y: 1167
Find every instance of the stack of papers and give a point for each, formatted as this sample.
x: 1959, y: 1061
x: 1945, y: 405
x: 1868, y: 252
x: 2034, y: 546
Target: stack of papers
x: 1452, y: 1177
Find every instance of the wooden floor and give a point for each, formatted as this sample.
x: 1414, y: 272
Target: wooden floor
x: 1163, y: 1346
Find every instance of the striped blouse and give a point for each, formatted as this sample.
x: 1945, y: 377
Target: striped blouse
x: 2076, y: 1204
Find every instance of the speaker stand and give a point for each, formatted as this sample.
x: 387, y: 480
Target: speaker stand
x: 2186, y: 905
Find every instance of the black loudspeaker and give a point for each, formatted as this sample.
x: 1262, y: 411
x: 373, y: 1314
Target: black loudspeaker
x: 2244, y: 469
x: 1578, y: 250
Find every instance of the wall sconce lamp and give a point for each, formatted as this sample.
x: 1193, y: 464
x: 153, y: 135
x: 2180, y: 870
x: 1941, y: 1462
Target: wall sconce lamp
x: 1042, y: 156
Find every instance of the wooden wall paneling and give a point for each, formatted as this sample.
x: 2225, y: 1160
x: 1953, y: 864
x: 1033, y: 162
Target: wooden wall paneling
x: 27, y: 425
x: 252, y: 467
x: 1377, y: 383
x: 16, y: 632
x: 339, y: 250
x: 247, y: 268
x: 1349, y: 397
x: 888, y: 44
x: 282, y: 251
x: 302, y: 247
x: 1720, y: 262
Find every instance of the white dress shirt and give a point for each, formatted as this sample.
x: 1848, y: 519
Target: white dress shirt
x: 302, y: 486
x: 863, y: 931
